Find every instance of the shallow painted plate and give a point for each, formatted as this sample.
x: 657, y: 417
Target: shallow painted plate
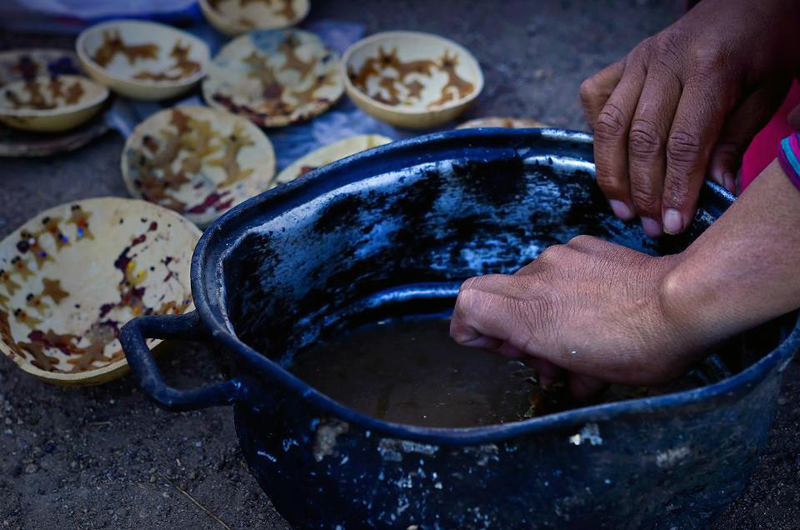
x: 197, y: 161
x: 329, y: 153
x: 234, y: 17
x: 73, y: 275
x: 274, y: 77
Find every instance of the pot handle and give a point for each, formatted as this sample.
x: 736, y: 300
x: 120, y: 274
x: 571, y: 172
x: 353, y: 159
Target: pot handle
x: 144, y: 367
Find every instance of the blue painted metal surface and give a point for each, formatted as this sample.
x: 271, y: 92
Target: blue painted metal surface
x: 392, y: 232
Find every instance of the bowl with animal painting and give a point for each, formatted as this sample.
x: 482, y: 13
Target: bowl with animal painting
x: 73, y: 275
x: 410, y: 79
x: 274, y: 77
x: 197, y: 161
x: 50, y: 103
x: 234, y: 17
x: 142, y: 60
x: 328, y: 154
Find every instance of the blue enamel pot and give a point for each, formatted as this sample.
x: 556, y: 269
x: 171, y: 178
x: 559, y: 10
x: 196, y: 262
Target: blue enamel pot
x: 393, y: 231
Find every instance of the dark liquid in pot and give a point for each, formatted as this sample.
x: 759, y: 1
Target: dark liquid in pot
x: 410, y: 371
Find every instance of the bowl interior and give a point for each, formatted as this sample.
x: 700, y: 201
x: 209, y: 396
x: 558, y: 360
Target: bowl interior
x: 144, y: 52
x: 197, y: 161
x: 413, y: 72
x: 247, y: 14
x: 46, y: 95
x: 274, y: 77
x: 73, y: 275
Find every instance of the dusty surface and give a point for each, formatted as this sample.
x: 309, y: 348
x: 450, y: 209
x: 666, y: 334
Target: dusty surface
x: 107, y: 458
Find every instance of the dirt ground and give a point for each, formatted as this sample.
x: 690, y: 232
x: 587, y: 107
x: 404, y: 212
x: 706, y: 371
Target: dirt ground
x: 106, y: 457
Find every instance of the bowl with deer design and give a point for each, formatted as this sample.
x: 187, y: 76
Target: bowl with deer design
x: 142, y: 60
x: 73, y: 275
x: 50, y: 103
x: 410, y: 79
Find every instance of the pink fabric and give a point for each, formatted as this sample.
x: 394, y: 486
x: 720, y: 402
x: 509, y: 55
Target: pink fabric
x: 764, y: 147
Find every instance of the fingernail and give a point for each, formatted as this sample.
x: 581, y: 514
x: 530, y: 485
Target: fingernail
x: 621, y: 210
x: 730, y: 183
x: 673, y: 223
x: 651, y: 227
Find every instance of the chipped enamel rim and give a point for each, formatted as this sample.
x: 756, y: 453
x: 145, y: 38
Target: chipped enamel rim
x: 398, y: 38
x: 99, y: 96
x: 261, y: 157
x: 328, y: 154
x: 160, y: 32
x: 134, y: 209
x: 224, y: 21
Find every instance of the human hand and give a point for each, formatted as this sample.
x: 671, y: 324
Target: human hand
x: 591, y: 307
x: 686, y: 103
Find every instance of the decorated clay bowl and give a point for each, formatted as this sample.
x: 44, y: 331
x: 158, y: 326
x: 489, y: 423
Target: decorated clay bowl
x: 197, y: 161
x: 274, y: 77
x: 50, y: 104
x: 329, y: 153
x: 234, y: 17
x: 24, y: 65
x: 503, y: 123
x: 142, y: 60
x: 73, y: 275
x: 410, y: 79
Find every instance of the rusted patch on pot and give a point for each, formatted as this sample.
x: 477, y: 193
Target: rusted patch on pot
x: 327, y: 433
x: 392, y: 450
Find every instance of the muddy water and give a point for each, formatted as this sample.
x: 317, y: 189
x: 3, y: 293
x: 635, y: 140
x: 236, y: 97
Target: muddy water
x: 410, y: 371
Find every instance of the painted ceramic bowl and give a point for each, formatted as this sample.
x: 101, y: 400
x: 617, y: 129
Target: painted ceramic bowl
x: 411, y: 80
x: 24, y: 65
x: 72, y: 276
x: 329, y: 153
x: 274, y: 77
x: 50, y: 104
x: 142, y: 60
x: 234, y: 17
x: 197, y: 161
x: 503, y: 123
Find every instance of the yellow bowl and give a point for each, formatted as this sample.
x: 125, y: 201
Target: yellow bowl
x: 142, y: 60
x: 50, y: 104
x: 197, y: 161
x: 234, y: 17
x: 73, y: 275
x: 410, y: 79
x: 328, y: 154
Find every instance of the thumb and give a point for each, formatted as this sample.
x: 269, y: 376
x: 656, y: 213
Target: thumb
x: 740, y: 128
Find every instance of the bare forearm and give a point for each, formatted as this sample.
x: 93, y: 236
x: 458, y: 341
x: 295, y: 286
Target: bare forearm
x: 745, y: 269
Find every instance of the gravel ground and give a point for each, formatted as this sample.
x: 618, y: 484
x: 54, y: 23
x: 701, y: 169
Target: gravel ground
x: 107, y: 457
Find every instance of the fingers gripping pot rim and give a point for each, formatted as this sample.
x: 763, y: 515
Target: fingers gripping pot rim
x: 391, y: 232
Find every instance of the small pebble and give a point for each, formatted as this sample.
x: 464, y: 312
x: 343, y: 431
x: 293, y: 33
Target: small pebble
x: 31, y: 468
